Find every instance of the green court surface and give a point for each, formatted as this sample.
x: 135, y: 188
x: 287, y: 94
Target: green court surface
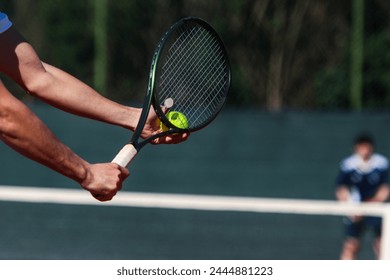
x: 244, y: 153
x: 83, y: 232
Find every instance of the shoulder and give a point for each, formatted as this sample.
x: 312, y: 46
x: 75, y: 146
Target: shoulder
x: 353, y: 162
x: 380, y: 161
x: 350, y: 163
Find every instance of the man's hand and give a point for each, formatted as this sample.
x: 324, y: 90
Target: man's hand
x: 343, y: 194
x: 152, y: 127
x: 104, y: 180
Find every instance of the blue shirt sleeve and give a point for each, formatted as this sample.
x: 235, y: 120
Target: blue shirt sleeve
x: 343, y: 178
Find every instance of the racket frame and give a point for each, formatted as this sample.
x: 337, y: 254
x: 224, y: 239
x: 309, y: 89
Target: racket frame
x: 130, y: 150
x: 161, y: 115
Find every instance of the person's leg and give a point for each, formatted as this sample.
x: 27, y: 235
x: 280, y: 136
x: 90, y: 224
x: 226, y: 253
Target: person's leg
x: 376, y: 246
x: 351, y: 245
x: 376, y: 224
x: 350, y: 249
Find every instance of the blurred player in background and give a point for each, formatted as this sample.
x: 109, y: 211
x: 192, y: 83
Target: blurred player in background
x: 363, y: 177
x: 23, y: 131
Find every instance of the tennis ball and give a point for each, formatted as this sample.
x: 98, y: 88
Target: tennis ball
x: 177, y: 119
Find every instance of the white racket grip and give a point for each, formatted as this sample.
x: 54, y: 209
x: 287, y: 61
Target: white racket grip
x: 125, y: 156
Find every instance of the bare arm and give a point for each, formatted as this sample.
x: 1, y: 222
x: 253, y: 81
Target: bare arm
x: 342, y: 193
x: 55, y: 86
x: 381, y: 195
x: 24, y: 132
x: 63, y: 91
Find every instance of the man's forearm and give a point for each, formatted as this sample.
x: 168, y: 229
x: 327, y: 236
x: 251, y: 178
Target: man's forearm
x: 63, y: 91
x: 69, y: 94
x: 381, y: 195
x: 24, y: 132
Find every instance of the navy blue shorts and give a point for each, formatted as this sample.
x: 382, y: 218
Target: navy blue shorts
x: 355, y: 229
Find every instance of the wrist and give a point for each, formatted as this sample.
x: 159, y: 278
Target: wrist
x: 85, y: 176
x: 134, y: 115
x: 129, y: 117
x: 80, y: 171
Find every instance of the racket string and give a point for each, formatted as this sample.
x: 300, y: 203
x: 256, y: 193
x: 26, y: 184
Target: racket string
x: 210, y: 104
x: 173, y: 66
x: 190, y: 55
x: 186, y: 83
x: 201, y: 100
x: 180, y: 48
x: 193, y: 107
x: 205, y: 55
x: 205, y: 92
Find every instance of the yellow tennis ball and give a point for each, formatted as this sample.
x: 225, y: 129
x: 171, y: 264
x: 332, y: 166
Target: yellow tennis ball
x: 177, y: 119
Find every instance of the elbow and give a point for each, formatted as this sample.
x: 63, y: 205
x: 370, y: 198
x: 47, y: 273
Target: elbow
x: 10, y: 110
x: 8, y: 126
x: 8, y: 122
x: 37, y: 85
x: 10, y: 119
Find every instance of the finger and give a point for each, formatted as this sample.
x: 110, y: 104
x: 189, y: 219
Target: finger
x: 175, y: 138
x: 108, y: 198
x: 119, y: 185
x: 102, y: 197
x: 171, y: 139
x: 124, y: 172
x: 97, y: 196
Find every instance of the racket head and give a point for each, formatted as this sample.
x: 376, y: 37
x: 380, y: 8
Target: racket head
x: 191, y: 67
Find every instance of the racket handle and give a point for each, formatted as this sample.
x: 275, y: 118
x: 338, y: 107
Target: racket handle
x: 125, y: 156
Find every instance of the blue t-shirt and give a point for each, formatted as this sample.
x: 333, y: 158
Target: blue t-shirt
x: 363, y: 178
x: 5, y: 23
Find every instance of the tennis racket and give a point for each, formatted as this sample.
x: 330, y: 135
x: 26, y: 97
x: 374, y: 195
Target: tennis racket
x: 190, y: 74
